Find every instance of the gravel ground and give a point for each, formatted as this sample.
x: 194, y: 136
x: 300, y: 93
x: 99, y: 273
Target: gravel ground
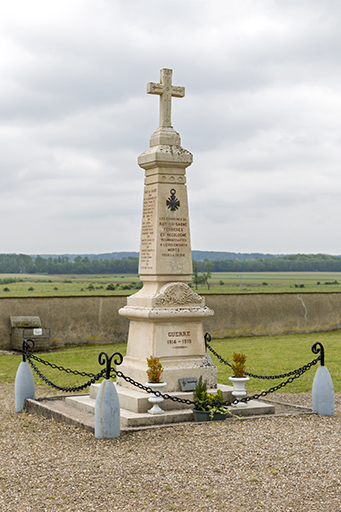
x: 269, y: 464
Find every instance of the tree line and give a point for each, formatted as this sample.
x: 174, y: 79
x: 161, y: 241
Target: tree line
x: 289, y: 263
x: 22, y: 263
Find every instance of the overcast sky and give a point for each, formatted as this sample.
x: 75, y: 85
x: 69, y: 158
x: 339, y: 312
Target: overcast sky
x: 261, y: 115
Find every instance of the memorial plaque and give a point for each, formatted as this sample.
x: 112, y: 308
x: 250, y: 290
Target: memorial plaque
x: 188, y: 383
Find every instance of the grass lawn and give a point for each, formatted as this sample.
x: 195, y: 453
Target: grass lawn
x: 266, y: 355
x: 274, y: 355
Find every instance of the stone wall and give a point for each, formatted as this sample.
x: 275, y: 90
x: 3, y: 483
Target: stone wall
x: 269, y: 314
x: 78, y: 320
x: 71, y: 320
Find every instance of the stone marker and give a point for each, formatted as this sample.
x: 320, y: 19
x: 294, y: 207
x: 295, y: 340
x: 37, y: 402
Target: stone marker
x: 166, y: 315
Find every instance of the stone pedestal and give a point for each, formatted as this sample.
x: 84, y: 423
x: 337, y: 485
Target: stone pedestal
x: 168, y: 326
x: 166, y: 315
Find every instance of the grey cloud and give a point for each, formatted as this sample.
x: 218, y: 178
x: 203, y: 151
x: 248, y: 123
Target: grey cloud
x: 261, y: 115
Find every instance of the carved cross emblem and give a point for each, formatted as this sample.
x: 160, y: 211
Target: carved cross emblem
x: 165, y: 90
x: 173, y: 202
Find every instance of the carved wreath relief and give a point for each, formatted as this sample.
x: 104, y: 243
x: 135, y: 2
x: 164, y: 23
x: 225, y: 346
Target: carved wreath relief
x: 177, y: 294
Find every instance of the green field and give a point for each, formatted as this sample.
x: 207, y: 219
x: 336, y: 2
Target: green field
x: 33, y: 285
x: 266, y: 355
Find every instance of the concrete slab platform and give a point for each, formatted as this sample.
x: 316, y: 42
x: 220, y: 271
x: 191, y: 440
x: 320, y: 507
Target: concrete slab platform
x: 56, y: 408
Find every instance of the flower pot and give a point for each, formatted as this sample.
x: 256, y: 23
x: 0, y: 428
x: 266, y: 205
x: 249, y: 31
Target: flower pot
x: 156, y: 400
x: 205, y: 416
x: 239, y: 389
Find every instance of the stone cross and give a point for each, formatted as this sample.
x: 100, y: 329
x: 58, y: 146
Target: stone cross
x: 165, y: 90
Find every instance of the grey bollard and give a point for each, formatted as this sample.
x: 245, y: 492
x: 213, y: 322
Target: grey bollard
x: 23, y: 386
x: 323, y: 392
x: 107, y: 411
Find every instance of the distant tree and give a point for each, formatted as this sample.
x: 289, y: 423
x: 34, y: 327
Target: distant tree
x: 196, y: 278
x: 206, y: 275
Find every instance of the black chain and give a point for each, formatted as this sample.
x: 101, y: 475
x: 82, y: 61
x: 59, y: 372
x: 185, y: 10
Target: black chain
x: 27, y: 355
x: 256, y: 396
x: 60, y: 368
x: 94, y: 378
x: 150, y: 390
x: 298, y: 371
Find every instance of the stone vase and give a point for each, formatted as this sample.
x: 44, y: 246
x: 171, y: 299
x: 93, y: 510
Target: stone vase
x: 156, y: 400
x: 239, y: 389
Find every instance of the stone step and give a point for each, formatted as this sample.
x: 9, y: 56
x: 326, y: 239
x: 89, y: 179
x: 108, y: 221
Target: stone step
x: 136, y: 400
x: 134, y: 406
x: 130, y: 419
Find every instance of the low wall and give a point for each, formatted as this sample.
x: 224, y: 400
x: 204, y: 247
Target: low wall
x: 79, y: 320
x: 273, y: 313
x: 71, y: 320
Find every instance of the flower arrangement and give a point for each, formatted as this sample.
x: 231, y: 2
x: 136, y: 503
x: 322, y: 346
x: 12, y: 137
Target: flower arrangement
x: 238, y: 365
x: 154, y: 369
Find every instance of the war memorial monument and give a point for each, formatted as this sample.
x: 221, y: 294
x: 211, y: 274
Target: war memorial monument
x: 166, y: 315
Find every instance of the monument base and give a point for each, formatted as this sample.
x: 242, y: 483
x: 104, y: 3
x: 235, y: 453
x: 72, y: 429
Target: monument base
x: 135, y: 405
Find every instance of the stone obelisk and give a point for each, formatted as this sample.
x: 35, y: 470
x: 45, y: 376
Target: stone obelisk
x: 166, y: 315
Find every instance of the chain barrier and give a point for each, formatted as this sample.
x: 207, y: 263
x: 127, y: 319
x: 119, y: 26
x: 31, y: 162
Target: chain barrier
x: 256, y: 396
x: 111, y: 372
x: 165, y: 396
x: 29, y: 357
x: 270, y: 377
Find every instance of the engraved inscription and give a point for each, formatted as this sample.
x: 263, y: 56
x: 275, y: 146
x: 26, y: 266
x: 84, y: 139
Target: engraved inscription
x: 147, y: 248
x: 173, y: 238
x: 179, y: 339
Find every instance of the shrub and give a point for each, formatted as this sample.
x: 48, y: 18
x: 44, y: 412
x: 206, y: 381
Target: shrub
x: 238, y: 365
x: 154, y: 369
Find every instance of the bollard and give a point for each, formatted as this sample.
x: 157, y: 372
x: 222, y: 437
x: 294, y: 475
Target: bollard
x: 107, y: 411
x: 107, y: 405
x: 24, y: 385
x: 323, y: 389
